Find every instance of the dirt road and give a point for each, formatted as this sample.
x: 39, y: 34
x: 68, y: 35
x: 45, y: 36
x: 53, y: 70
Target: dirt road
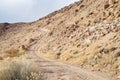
x: 54, y: 70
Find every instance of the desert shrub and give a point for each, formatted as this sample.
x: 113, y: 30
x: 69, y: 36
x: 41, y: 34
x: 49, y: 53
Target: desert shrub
x: 117, y: 54
x: 14, y: 53
x: 35, y: 76
x: 11, y: 53
x: 10, y: 70
x: 31, y: 40
x: 51, y: 33
x: 57, y: 55
x: 1, y: 58
x: 21, y: 53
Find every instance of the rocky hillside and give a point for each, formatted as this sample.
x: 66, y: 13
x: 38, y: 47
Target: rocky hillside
x: 86, y: 33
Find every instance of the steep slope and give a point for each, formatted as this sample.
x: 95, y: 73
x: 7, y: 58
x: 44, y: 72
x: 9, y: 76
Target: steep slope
x: 85, y: 33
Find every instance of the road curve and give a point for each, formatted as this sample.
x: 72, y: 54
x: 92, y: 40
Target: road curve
x: 55, y: 70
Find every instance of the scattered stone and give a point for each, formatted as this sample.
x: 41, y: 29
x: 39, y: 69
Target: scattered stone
x: 118, y: 77
x: 106, y: 6
x: 111, y: 1
x: 87, y: 42
x: 22, y: 48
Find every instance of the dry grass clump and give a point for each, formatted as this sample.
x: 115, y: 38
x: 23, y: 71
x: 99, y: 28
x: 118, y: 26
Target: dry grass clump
x: 18, y: 70
x: 12, y: 53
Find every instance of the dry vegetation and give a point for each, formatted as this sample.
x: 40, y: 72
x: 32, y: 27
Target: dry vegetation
x: 1, y: 58
x: 11, y: 53
x: 18, y: 70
